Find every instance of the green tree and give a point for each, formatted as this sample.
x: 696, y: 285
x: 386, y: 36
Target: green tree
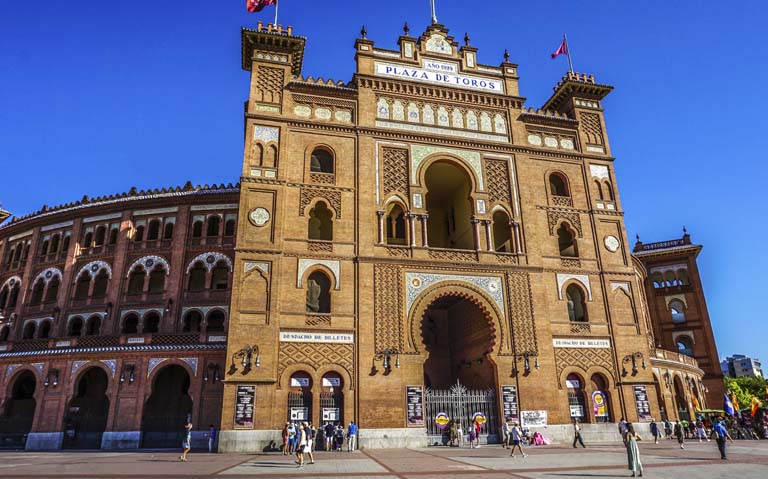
x: 746, y: 388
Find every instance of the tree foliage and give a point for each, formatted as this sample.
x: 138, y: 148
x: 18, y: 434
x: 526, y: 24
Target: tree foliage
x: 745, y: 388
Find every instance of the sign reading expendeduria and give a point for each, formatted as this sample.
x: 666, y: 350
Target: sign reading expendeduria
x: 244, y: 403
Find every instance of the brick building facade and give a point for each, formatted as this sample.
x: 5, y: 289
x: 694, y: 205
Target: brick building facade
x: 413, y: 239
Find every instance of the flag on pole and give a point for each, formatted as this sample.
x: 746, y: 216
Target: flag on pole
x: 254, y: 6
x: 696, y: 405
x: 728, y: 406
x: 756, y: 404
x: 561, y: 50
x: 735, y: 401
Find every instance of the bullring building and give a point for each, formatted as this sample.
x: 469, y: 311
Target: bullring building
x: 413, y: 241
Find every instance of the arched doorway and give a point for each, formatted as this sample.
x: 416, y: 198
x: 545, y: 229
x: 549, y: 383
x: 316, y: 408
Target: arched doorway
x: 19, y: 412
x: 601, y: 404
x: 167, y: 409
x: 332, y: 398
x: 86, y: 415
x: 449, y: 207
x: 660, y: 398
x: 459, y: 374
x: 576, y: 401
x: 300, y: 397
x: 680, y: 402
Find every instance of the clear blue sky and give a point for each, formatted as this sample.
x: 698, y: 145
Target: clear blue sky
x: 96, y: 97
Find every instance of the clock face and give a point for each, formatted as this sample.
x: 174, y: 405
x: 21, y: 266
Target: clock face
x: 259, y: 216
x: 612, y: 243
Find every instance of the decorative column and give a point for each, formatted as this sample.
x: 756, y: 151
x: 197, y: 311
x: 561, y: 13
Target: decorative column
x: 424, y: 239
x: 380, y: 214
x: 412, y: 229
x: 516, y: 232
x: 476, y: 228
x: 488, y: 239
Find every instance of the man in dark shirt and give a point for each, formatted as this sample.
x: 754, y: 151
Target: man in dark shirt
x: 722, y: 435
x: 329, y: 430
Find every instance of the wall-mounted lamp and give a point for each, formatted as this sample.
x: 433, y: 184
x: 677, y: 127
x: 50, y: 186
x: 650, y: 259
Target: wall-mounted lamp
x: 128, y: 372
x: 52, y: 378
x: 526, y: 364
x: 108, y: 311
x: 633, y: 358
x: 211, y: 372
x: 168, y: 305
x: 386, y: 360
x: 668, y: 380
x: 246, y: 355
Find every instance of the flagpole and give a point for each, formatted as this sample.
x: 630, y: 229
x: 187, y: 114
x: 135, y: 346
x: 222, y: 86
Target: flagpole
x: 568, y: 52
x: 434, y: 16
x: 277, y: 4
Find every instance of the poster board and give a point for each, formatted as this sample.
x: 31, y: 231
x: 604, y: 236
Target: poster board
x: 245, y: 398
x: 414, y: 399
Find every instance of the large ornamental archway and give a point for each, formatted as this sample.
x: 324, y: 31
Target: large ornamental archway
x: 168, y: 408
x: 18, y: 413
x: 86, y: 416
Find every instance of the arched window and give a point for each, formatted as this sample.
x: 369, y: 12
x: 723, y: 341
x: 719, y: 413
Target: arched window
x: 65, y: 245
x: 449, y: 206
x: 138, y: 236
x: 609, y: 191
x: 113, y: 235
x: 658, y: 280
x: 318, y: 293
x: 83, y: 284
x: 168, y: 233
x: 153, y: 231
x: 395, y: 225
x: 45, y: 330
x: 677, y: 308
x: 130, y: 324
x: 192, y: 322
x: 37, y: 292
x: 685, y: 345
x: 502, y: 234
x: 157, y: 280
x: 54, y: 244
x: 197, y: 229
x: 151, y: 323
x: 93, y: 327
x: 197, y: 277
x: 682, y: 276
x: 4, y: 297
x: 87, y: 240
x: 100, y: 284
x: 599, y: 187
x: 53, y: 290
x: 101, y: 234
x: 229, y: 227
x: 566, y: 241
x: 215, y: 321
x: 4, y: 332
x: 576, y: 399
x: 320, y: 223
x: 44, y: 248
x: 214, y: 224
x: 220, y: 276
x: 29, y: 330
x: 321, y: 161
x: 670, y: 279
x: 75, y: 327
x: 136, y: 280
x: 13, y: 298
x: 558, y: 186
x: 577, y: 306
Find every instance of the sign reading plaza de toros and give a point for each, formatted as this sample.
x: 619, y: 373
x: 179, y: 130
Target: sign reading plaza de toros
x: 440, y: 73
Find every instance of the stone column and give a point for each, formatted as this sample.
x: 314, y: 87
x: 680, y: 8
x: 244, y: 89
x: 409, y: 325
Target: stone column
x: 476, y: 228
x: 488, y: 239
x: 516, y: 231
x: 380, y: 214
x: 412, y: 229
x: 424, y: 240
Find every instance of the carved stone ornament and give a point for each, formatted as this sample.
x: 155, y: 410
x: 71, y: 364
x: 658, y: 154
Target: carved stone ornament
x: 611, y: 243
x: 259, y: 216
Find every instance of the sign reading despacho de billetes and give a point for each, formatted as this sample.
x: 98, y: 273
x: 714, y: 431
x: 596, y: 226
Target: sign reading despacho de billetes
x: 581, y: 343
x: 315, y: 337
x: 440, y: 77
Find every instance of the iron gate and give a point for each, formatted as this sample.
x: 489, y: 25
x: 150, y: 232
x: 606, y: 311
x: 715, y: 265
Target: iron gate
x: 461, y: 404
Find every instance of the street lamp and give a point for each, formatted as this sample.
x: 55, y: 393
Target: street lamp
x: 386, y: 360
x: 127, y: 372
x: 245, y: 354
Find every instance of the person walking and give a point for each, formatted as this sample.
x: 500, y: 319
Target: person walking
x: 633, y: 451
x: 679, y: 434
x: 517, y: 440
x: 186, y: 444
x: 700, y: 432
x: 311, y: 432
x: 292, y: 434
x: 286, y: 436
x: 301, y: 437
x: 623, y: 430
x: 351, y: 436
x: 577, y: 433
x: 477, y: 427
x: 472, y: 436
x: 722, y: 435
x: 655, y: 431
x: 211, y: 437
x: 339, y: 436
x: 460, y: 434
x: 328, y: 433
x: 505, y: 429
x: 452, y: 432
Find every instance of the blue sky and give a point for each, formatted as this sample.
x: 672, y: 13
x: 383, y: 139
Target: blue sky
x: 96, y: 97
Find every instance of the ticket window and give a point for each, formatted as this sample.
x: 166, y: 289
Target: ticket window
x: 332, y: 399
x: 576, y: 402
x: 300, y: 397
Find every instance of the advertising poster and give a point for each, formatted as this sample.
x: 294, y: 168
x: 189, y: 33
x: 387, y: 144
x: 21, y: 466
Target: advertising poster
x: 414, y: 396
x: 509, y: 403
x: 641, y: 401
x: 598, y: 401
x: 533, y: 418
x: 244, y: 402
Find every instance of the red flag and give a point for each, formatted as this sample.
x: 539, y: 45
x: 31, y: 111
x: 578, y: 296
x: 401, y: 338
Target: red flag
x: 561, y: 50
x: 257, y: 5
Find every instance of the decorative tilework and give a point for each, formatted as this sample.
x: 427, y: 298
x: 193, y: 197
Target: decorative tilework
x: 153, y: 363
x: 417, y: 283
x: 76, y: 365
x: 111, y: 364
x: 12, y: 281
x: 267, y: 134
x: 209, y: 260
x: 472, y: 158
x: 192, y: 363
x: 251, y: 265
x: 40, y: 367
x: 48, y: 274
x: 581, y: 278
x: 305, y: 264
x: 149, y: 263
x: 620, y: 285
x: 94, y: 267
x: 599, y: 171
x: 10, y: 369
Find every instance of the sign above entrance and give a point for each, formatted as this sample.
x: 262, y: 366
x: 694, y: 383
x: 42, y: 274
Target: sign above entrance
x: 315, y: 337
x: 442, y: 74
x: 581, y: 343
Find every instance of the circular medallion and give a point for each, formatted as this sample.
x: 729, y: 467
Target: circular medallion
x: 210, y: 259
x: 94, y: 267
x: 149, y: 263
x: 48, y: 274
x: 259, y: 216
x: 611, y: 243
x: 416, y: 283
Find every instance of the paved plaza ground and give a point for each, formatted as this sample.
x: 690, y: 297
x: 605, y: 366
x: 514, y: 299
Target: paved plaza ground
x: 747, y: 459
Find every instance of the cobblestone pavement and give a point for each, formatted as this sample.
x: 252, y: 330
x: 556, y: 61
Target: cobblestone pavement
x: 746, y: 459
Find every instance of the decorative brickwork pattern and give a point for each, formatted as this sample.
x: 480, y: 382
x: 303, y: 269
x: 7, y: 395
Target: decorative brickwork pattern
x: 322, y: 178
x: 452, y: 255
x: 582, y: 358
x: 395, y: 172
x: 554, y: 217
x: 318, y: 320
x: 591, y: 127
x: 320, y: 246
x: 388, y: 328
x: 498, y: 181
x: 317, y: 355
x: 521, y: 313
x: 399, y: 252
x: 331, y: 196
x: 564, y: 201
x: 270, y: 84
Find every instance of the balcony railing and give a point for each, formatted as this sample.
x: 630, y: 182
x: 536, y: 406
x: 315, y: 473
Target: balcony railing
x: 676, y: 357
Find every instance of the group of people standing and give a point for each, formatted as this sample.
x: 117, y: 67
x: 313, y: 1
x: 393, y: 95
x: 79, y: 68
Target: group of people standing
x: 456, y: 434
x: 301, y: 439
